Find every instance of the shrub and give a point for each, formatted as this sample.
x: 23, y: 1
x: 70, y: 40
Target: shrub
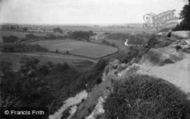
x: 166, y: 61
x: 145, y: 97
x: 23, y: 48
x: 118, y: 36
x: 31, y: 36
x: 135, y: 40
x: 108, y: 43
x: 25, y: 87
x: 51, y: 36
x: 10, y: 39
x: 58, y: 30
x: 178, y: 47
x: 187, y: 50
x: 80, y: 35
x: 154, y: 57
x: 45, y: 84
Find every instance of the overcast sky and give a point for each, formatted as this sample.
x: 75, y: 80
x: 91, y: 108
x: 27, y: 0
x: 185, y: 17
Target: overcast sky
x: 83, y: 11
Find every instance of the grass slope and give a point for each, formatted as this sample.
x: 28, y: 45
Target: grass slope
x: 146, y: 97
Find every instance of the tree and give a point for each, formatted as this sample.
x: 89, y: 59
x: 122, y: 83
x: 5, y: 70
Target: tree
x: 58, y: 30
x: 31, y: 36
x: 10, y: 39
x: 67, y: 52
x: 25, y: 29
x: 81, y: 35
x: 185, y: 16
x: 27, y: 86
x: 51, y: 36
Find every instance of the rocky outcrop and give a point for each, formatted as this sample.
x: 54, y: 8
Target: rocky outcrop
x: 162, y: 57
x: 182, y: 34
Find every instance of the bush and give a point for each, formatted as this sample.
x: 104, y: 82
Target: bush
x: 80, y: 35
x: 10, y: 39
x: 146, y: 97
x: 166, y: 61
x: 154, y: 57
x: 44, y: 84
x: 23, y: 48
x: 187, y: 50
x: 108, y: 43
x: 31, y: 36
x: 135, y: 40
x: 58, y: 30
x: 25, y: 87
x: 51, y: 36
x: 117, y: 36
x: 178, y: 47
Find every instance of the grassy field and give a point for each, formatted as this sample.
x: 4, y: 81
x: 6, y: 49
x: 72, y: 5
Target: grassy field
x: 86, y: 49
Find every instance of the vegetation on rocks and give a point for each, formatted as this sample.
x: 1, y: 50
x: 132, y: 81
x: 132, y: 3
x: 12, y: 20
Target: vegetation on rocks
x: 146, y: 97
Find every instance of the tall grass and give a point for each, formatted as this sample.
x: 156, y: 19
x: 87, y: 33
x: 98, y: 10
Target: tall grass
x: 145, y: 97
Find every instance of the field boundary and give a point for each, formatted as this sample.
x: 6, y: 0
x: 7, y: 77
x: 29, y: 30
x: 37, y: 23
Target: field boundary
x: 35, y: 54
x: 82, y: 56
x: 66, y: 39
x: 117, y: 49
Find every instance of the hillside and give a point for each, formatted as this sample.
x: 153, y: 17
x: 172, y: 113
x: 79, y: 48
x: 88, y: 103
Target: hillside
x: 155, y: 84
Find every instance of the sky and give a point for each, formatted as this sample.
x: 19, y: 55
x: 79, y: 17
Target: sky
x: 83, y: 11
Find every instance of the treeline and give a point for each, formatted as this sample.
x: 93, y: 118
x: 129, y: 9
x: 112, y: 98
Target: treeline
x: 185, y: 16
x: 117, y: 36
x: 80, y: 35
x: 47, y: 36
x: 10, y: 39
x: 77, y: 35
x: 108, y: 43
x: 28, y: 37
x: 33, y: 84
x: 136, y: 39
x: 18, y: 47
x: 12, y: 44
x: 44, y: 85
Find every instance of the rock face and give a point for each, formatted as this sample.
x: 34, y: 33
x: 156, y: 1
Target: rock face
x: 73, y: 101
x: 182, y: 34
x: 166, y: 58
